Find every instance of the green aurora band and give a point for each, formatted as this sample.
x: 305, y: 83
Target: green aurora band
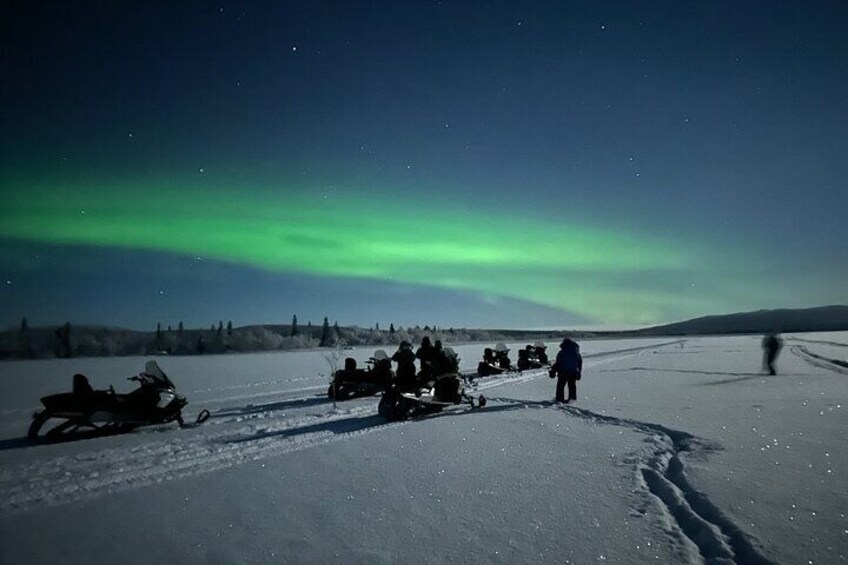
x: 577, y: 268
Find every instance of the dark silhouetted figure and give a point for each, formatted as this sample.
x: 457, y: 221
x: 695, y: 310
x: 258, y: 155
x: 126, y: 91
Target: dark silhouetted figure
x: 405, y: 376
x: 771, y: 348
x: 541, y: 354
x: 427, y: 355
x: 440, y: 362
x: 568, y: 369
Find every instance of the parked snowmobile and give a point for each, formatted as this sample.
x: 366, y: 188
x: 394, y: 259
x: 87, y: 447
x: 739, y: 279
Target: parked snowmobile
x: 502, y: 356
x: 495, y: 361
x: 527, y: 359
x: 351, y: 381
x: 433, y: 396
x: 489, y: 365
x: 87, y: 412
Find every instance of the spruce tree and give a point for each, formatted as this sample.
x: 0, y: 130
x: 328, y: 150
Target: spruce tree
x: 325, y: 333
x: 294, y: 325
x: 230, y: 327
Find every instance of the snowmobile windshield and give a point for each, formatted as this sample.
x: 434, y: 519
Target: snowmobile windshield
x: 152, y: 369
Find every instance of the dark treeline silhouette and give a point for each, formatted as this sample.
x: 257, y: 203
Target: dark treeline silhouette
x: 27, y: 342
x: 66, y: 340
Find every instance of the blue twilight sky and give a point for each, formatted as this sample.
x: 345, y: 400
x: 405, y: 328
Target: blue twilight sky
x: 636, y: 162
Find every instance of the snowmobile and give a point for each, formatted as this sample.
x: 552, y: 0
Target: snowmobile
x: 540, y: 350
x: 527, y: 359
x: 445, y: 390
x: 86, y: 412
x: 495, y: 361
x: 351, y: 381
x: 489, y: 365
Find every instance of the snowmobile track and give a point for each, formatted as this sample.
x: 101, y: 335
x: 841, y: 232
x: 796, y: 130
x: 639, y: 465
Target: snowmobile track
x: 835, y: 365
x: 661, y: 472
x: 718, y: 539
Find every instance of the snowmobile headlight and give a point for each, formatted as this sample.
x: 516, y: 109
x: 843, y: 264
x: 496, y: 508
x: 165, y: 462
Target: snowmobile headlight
x: 165, y: 398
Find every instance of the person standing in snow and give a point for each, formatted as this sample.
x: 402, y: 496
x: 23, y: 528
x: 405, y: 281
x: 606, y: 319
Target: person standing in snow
x: 426, y: 354
x: 771, y: 348
x: 405, y: 375
x: 568, y: 369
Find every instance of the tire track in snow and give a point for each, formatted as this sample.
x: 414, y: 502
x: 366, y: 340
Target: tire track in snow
x: 663, y: 474
x: 820, y: 342
x: 71, y: 478
x: 836, y: 365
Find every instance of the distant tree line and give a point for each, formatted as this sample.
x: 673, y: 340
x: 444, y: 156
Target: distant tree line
x: 67, y: 340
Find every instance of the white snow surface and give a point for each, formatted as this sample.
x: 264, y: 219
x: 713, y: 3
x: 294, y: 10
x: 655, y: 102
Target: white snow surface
x: 677, y: 451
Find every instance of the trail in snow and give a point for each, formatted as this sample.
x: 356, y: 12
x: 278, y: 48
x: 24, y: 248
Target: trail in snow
x: 818, y: 341
x: 663, y: 474
x: 836, y: 365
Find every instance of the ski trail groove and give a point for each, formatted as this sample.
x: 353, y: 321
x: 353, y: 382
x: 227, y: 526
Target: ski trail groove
x: 71, y: 478
x: 835, y: 365
x: 717, y: 538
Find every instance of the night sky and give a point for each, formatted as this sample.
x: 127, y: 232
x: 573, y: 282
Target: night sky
x: 489, y: 164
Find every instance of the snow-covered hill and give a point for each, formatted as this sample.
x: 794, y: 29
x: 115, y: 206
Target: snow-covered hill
x: 677, y: 451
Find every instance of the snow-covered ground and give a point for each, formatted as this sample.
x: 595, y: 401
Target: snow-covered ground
x: 677, y: 451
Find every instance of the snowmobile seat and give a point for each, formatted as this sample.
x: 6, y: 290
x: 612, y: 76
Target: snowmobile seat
x: 350, y: 364
x: 81, y: 385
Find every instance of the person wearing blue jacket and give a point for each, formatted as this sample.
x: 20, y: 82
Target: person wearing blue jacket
x: 567, y: 368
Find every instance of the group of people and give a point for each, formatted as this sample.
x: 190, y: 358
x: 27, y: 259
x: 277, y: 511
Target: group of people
x: 436, y: 360
x: 567, y: 369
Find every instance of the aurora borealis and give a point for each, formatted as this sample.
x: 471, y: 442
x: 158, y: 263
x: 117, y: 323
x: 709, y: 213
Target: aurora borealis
x: 595, y: 164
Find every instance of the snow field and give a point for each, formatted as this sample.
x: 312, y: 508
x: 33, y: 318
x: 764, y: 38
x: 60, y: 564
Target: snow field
x: 676, y: 452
